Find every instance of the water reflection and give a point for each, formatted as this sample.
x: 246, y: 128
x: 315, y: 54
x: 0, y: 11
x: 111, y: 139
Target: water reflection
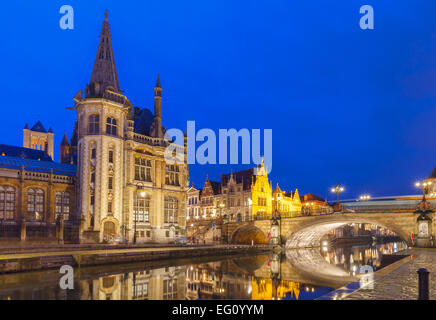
x: 352, y: 258
x: 252, y: 278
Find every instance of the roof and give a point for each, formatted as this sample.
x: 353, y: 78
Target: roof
x: 24, y: 153
x: 104, y: 71
x: 433, y: 174
x: 312, y: 197
x: 38, y: 127
x: 215, y: 186
x: 37, y: 166
x: 65, y: 140
x: 143, y: 122
x: 244, y: 176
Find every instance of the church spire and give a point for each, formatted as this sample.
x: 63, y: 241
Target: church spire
x: 104, y: 73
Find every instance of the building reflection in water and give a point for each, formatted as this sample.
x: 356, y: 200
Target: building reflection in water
x: 253, y: 278
x: 352, y: 258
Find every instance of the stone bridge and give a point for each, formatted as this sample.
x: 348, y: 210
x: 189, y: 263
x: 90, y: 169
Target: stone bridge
x: 307, y: 231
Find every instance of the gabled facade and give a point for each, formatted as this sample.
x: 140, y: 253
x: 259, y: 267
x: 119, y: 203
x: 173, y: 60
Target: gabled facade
x: 193, y: 205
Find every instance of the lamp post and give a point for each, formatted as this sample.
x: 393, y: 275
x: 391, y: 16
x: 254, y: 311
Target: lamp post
x: 338, y: 189
x: 424, y: 185
x: 424, y: 238
x: 221, y: 206
x: 276, y: 226
x: 139, y: 192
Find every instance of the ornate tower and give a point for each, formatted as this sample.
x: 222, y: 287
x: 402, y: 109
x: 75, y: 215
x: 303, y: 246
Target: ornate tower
x: 39, y: 138
x: 156, y: 130
x: 102, y: 117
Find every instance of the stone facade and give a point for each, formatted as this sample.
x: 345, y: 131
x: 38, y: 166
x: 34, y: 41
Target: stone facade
x: 120, y: 186
x: 37, y: 197
x: 122, y: 172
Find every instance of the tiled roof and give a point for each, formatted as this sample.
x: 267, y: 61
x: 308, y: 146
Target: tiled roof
x: 37, y: 166
x: 24, y: 153
x: 312, y: 197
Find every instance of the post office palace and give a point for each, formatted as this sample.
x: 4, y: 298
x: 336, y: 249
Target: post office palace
x: 112, y: 180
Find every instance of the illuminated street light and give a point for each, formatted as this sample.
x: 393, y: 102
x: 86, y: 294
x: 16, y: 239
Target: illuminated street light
x: 338, y: 189
x: 424, y: 186
x: 365, y: 197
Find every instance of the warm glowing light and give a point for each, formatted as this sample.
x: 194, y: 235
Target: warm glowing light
x: 142, y: 194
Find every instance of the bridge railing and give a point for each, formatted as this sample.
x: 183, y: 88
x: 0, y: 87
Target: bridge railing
x: 377, y: 207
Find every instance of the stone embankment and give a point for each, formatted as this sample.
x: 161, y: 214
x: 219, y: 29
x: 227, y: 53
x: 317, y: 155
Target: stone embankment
x: 36, y: 261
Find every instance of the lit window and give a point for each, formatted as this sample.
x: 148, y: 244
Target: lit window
x: 141, y: 210
x: 171, y: 208
x: 172, y: 175
x: 35, y: 203
x: 7, y: 203
x: 142, y: 169
x: 63, y: 205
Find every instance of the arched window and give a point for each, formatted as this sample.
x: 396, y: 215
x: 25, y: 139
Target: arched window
x: 35, y: 143
x: 94, y: 124
x: 42, y: 144
x: 63, y: 204
x: 141, y: 210
x: 111, y: 126
x: 171, y: 208
x: 7, y: 203
x: 35, y: 203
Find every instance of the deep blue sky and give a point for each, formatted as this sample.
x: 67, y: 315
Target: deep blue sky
x: 345, y: 104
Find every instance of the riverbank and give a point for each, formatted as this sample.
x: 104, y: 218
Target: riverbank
x: 37, y: 261
x: 397, y: 281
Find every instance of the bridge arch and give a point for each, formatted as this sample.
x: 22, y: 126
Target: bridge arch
x: 308, y: 232
x: 248, y: 233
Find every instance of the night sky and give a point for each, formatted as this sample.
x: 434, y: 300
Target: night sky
x: 345, y: 105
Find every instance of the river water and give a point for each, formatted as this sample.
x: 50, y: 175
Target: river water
x: 295, y: 275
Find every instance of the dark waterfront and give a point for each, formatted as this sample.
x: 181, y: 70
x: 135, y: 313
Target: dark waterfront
x: 295, y: 275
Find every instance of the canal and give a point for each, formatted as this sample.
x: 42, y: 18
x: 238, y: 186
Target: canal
x: 303, y: 274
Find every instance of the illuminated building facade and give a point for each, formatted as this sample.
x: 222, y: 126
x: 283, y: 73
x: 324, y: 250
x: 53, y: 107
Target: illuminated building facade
x: 118, y: 182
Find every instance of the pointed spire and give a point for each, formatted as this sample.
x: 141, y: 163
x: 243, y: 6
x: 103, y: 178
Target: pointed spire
x: 277, y: 188
x: 104, y: 71
x: 158, y: 81
x: 65, y: 139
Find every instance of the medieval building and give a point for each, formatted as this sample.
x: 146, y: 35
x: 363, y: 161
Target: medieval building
x: 119, y: 185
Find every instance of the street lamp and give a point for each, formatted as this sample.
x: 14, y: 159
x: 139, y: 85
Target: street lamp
x: 139, y: 192
x: 365, y: 197
x: 424, y: 185
x: 338, y: 189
